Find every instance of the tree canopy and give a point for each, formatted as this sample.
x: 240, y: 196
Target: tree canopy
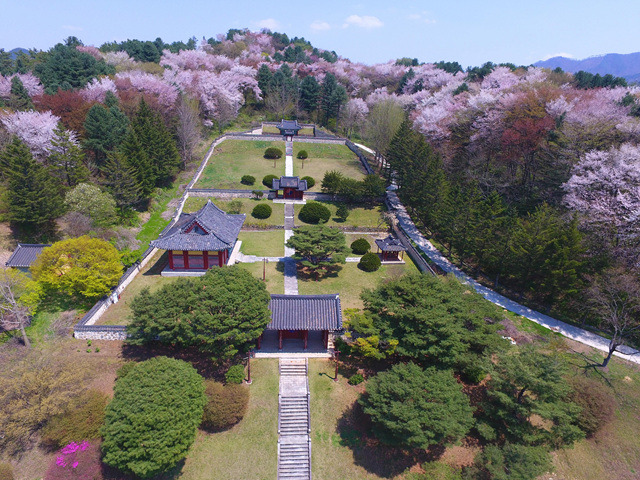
x: 319, y: 247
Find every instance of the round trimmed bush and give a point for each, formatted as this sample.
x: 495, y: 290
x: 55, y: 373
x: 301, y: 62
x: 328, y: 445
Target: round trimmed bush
x: 235, y: 374
x: 310, y: 181
x: 302, y: 154
x: 360, y: 246
x: 261, y: 211
x: 370, y: 262
x: 356, y: 379
x: 248, y: 180
x: 6, y: 471
x: 267, y: 181
x: 314, y: 212
x: 226, y: 405
x: 272, y: 152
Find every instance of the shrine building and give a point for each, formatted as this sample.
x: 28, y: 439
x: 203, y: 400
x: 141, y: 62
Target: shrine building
x: 292, y: 188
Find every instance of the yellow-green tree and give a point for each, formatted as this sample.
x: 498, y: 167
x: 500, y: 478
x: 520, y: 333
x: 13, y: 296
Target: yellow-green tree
x: 83, y: 266
x: 19, y: 297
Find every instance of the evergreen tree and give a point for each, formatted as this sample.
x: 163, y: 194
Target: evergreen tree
x: 66, y: 161
x: 309, y: 94
x: 19, y: 98
x: 264, y: 79
x: 332, y: 96
x: 136, y: 157
x: 105, y: 127
x: 34, y: 198
x: 121, y: 181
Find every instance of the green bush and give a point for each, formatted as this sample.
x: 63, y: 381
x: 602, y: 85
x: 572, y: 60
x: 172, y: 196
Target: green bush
x: 248, y: 180
x: 356, y: 379
x: 153, y: 417
x: 370, y: 262
x: 261, y: 211
x: 436, y: 471
x: 598, y: 405
x: 342, y: 213
x: 513, y: 462
x: 81, y: 422
x: 302, y: 154
x: 235, y: 374
x: 314, y: 212
x: 360, y: 246
x: 6, y: 471
x: 310, y: 181
x: 125, y: 369
x: 257, y: 193
x: 226, y: 405
x: 272, y: 152
x: 267, y: 181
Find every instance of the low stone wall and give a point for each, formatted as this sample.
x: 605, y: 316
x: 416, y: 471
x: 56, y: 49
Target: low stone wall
x: 101, y: 332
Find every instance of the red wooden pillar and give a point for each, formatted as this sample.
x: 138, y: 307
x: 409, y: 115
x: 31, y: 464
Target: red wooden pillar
x: 221, y: 257
x: 305, y: 338
x: 205, y: 259
x: 170, y: 259
x: 185, y: 256
x: 279, y: 339
x: 325, y: 338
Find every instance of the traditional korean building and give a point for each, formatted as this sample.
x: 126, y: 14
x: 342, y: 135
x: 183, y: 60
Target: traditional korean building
x: 390, y: 249
x: 23, y: 257
x: 289, y: 128
x: 201, y: 240
x: 292, y: 188
x: 294, y: 316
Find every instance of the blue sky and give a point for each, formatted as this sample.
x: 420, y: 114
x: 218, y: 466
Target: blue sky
x: 470, y: 32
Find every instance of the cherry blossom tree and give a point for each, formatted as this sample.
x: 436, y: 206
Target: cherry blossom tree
x: 165, y: 93
x: 30, y: 82
x: 35, y: 129
x: 96, y: 90
x: 354, y: 114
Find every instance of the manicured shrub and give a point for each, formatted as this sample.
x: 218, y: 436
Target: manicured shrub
x: 257, y: 193
x: 261, y: 211
x: 598, y: 405
x: 79, y: 461
x: 235, y: 374
x: 310, y: 181
x: 226, y: 405
x: 6, y: 471
x: 356, y: 379
x: 314, y: 212
x: 248, y: 180
x: 267, y: 181
x: 82, y: 422
x: 436, y: 471
x: 360, y: 246
x: 513, y: 462
x: 302, y: 154
x: 342, y: 213
x: 272, y: 152
x: 125, y: 369
x: 370, y: 262
x: 153, y: 417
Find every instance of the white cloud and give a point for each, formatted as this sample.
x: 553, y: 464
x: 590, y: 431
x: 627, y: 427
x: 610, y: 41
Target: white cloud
x: 566, y: 55
x: 270, y: 23
x: 319, y: 26
x: 72, y: 28
x: 366, y: 21
x: 423, y: 17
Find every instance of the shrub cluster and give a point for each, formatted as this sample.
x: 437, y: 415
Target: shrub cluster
x: 261, y: 211
x: 356, y: 379
x: 360, y: 246
x: 314, y: 212
x: 272, y: 152
x: 226, y: 405
x: 267, y: 181
x: 81, y: 422
x: 248, y: 180
x: 370, y: 262
x: 235, y: 374
x: 436, y: 471
x: 302, y: 154
x: 310, y: 181
x: 342, y: 213
x: 598, y: 405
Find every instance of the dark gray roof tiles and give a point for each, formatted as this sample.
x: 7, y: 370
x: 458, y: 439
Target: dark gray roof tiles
x: 390, y: 244
x: 208, y: 229
x: 289, y: 125
x: 289, y: 182
x: 25, y: 254
x: 305, y: 312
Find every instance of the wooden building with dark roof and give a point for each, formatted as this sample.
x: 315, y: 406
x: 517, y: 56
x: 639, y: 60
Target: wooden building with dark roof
x: 293, y: 316
x: 201, y: 240
x: 292, y: 187
x: 390, y: 249
x: 25, y: 254
x: 289, y: 128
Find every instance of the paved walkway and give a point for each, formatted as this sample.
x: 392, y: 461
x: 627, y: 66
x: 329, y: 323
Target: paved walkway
x: 294, y: 443
x: 290, y: 269
x: 569, y: 331
x: 288, y: 165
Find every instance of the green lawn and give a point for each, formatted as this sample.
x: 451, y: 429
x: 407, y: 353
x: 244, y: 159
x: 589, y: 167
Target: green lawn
x: 350, y: 281
x: 234, y: 158
x: 274, y: 274
x: 249, y: 449
x: 118, y: 313
x: 323, y: 158
x: 359, y: 216
x: 262, y: 244
x: 352, y: 237
x: 193, y: 204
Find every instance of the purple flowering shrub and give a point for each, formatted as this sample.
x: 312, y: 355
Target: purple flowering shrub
x: 76, y: 461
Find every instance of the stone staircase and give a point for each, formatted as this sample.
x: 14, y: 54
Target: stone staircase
x: 294, y: 443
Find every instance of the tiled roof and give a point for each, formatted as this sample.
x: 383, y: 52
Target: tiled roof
x: 208, y: 229
x: 305, y: 312
x: 289, y: 182
x: 390, y: 244
x: 25, y: 254
x: 289, y: 125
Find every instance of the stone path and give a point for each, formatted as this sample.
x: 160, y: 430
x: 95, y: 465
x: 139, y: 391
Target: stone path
x: 294, y: 443
x: 569, y: 331
x: 290, y: 269
x: 288, y: 165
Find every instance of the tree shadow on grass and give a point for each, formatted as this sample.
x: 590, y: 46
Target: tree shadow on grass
x: 354, y: 429
x: 306, y: 275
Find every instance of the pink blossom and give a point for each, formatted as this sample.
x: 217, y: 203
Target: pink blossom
x: 500, y: 79
x: 96, y: 90
x: 93, y: 51
x: 31, y: 84
x: 35, y: 129
x: 165, y: 92
x: 119, y: 59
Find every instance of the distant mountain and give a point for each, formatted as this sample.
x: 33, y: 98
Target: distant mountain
x: 618, y: 65
x: 14, y: 53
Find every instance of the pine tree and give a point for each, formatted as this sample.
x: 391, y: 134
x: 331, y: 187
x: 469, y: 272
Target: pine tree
x: 309, y: 94
x: 34, y: 198
x: 121, y: 181
x: 19, y: 98
x: 136, y: 157
x: 332, y: 96
x: 105, y: 127
x: 66, y: 162
x: 264, y: 79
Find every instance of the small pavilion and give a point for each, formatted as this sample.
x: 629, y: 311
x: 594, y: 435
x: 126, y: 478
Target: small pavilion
x: 201, y: 240
x: 289, y: 128
x: 294, y: 316
x: 390, y: 249
x: 292, y: 187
